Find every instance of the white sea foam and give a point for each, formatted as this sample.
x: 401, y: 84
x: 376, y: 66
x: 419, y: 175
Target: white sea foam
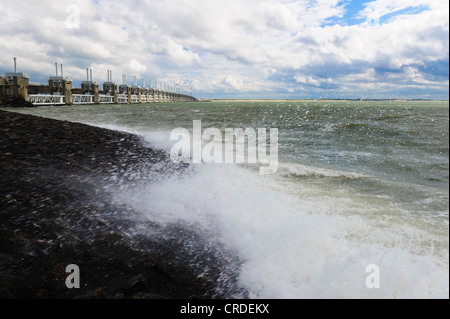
x: 305, y: 170
x: 308, y: 237
x: 293, y: 244
x: 154, y: 139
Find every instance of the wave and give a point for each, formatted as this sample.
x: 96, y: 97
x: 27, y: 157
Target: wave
x: 332, y: 127
x: 295, y: 242
x: 154, y: 139
x: 296, y: 239
x: 289, y: 169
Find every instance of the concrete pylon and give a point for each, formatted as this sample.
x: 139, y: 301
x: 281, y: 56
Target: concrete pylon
x: 61, y: 86
x: 16, y: 85
x: 110, y: 88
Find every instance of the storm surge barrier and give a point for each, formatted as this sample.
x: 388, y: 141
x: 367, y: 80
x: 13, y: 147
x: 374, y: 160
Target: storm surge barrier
x: 59, y: 91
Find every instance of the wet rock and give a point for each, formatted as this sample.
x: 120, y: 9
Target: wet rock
x: 15, y: 102
x: 56, y: 210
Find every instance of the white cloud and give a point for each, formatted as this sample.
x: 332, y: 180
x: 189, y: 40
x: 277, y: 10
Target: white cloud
x: 235, y: 83
x: 378, y: 8
x: 307, y: 80
x: 233, y: 45
x: 136, y: 67
x: 178, y: 54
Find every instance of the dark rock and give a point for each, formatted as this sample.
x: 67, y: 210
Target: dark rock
x: 55, y: 210
x: 15, y: 102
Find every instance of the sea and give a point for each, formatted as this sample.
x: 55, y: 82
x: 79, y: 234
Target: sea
x: 358, y: 206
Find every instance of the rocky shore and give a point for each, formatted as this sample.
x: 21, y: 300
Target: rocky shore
x: 14, y: 102
x: 56, y: 210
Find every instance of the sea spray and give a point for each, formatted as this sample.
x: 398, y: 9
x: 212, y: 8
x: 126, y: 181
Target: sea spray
x: 292, y: 246
x: 358, y: 183
x: 209, y: 145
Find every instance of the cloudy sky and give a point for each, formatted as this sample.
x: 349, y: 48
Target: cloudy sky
x: 238, y: 48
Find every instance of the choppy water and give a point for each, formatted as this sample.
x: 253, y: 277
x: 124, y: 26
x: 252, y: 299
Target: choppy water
x: 358, y: 183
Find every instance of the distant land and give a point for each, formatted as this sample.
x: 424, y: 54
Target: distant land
x: 309, y: 100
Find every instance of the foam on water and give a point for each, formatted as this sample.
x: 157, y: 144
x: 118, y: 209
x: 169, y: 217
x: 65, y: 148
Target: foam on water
x: 294, y: 243
x: 358, y: 183
x: 299, y: 240
x: 154, y: 139
x: 305, y: 170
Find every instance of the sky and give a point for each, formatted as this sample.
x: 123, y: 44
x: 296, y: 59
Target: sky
x: 268, y: 49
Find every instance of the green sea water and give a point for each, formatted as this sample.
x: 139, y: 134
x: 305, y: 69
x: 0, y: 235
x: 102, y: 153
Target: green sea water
x: 358, y: 183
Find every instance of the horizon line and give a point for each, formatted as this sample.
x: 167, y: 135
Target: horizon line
x: 323, y: 99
